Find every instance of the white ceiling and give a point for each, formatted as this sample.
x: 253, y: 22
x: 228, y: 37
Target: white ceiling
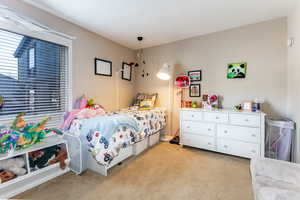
x: 161, y: 21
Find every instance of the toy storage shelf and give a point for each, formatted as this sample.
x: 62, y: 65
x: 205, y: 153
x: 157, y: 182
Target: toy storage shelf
x: 33, y: 178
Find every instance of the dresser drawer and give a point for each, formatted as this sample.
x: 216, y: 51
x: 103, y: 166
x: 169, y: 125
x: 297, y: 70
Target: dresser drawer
x: 198, y: 141
x: 216, y: 117
x: 245, y: 120
x: 198, y: 128
x: 243, y: 149
x: 245, y: 134
x: 191, y: 115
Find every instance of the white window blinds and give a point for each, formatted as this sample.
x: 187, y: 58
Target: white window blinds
x: 33, y: 78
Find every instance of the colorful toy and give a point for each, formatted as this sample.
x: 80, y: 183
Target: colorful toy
x: 21, y: 135
x: 238, y: 107
x: 182, y: 81
x: 14, y: 165
x: 210, y: 101
x: 90, y: 103
x: 194, y: 104
x: 49, y: 156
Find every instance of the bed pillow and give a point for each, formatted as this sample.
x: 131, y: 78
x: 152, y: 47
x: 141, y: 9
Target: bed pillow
x: 145, y: 97
x: 81, y: 102
x: 146, y: 105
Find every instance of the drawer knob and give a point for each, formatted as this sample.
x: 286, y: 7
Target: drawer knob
x: 247, y: 120
x: 217, y: 117
x: 225, y: 131
x: 253, y: 135
x: 192, y: 115
x: 209, y: 143
x: 225, y: 146
x: 188, y: 127
x: 209, y: 129
x: 253, y: 151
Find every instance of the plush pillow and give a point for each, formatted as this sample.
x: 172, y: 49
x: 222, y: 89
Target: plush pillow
x: 140, y: 97
x: 80, y: 102
x: 146, y: 105
x: 147, y: 99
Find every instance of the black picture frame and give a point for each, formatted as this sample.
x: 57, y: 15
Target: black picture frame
x: 195, y: 71
x: 123, y: 72
x: 105, y: 61
x: 190, y: 90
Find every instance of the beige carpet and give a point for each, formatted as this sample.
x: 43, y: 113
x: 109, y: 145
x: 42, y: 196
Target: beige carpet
x: 163, y: 172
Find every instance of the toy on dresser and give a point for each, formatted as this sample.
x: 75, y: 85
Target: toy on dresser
x: 210, y: 101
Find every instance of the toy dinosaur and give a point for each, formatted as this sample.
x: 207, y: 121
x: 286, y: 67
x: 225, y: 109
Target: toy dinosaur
x: 21, y: 135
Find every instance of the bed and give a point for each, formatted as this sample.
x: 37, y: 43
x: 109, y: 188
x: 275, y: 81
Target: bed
x: 108, y: 140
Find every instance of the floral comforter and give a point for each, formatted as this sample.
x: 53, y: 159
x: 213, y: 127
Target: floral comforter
x: 104, y: 150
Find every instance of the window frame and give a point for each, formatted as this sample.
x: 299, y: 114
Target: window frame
x: 49, y: 37
x: 29, y: 60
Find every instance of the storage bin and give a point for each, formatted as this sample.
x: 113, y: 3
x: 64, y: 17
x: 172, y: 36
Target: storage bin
x: 154, y: 139
x: 280, y: 139
x: 140, y: 146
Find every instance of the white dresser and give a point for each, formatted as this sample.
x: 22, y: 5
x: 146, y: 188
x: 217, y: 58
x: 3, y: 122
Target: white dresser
x: 231, y: 132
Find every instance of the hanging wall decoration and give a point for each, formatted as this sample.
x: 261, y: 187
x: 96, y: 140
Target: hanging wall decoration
x: 126, y: 71
x: 195, y: 90
x: 195, y: 75
x: 103, y: 67
x: 236, y: 70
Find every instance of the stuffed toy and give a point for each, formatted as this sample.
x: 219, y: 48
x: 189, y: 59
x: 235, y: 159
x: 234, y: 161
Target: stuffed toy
x: 48, y: 156
x: 40, y: 159
x: 14, y: 165
x: 21, y: 135
x: 61, y: 157
x: 6, y: 176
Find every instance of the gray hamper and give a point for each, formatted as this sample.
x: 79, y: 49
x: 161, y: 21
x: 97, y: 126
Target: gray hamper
x: 280, y: 139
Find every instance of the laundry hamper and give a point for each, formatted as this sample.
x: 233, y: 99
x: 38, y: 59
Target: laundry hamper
x: 280, y: 136
x: 77, y: 153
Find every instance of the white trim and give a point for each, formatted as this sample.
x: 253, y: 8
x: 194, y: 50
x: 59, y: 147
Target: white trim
x: 69, y: 89
x: 39, y: 35
x: 19, y: 19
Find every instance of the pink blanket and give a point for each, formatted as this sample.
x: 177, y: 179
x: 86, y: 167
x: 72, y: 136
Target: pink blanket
x: 81, y: 112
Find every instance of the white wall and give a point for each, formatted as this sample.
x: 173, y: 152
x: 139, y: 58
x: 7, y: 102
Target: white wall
x: 262, y: 46
x: 294, y: 71
x: 105, y: 90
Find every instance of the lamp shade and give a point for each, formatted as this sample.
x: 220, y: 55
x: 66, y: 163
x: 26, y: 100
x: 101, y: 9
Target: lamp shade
x: 164, y: 72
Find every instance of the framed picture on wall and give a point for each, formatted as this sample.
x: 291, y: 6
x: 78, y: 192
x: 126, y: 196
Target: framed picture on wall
x: 236, y: 70
x: 195, y: 90
x: 103, y: 67
x: 195, y: 75
x: 126, y: 71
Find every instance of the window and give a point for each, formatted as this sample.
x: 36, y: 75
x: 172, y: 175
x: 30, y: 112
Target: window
x: 31, y: 58
x: 39, y: 94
